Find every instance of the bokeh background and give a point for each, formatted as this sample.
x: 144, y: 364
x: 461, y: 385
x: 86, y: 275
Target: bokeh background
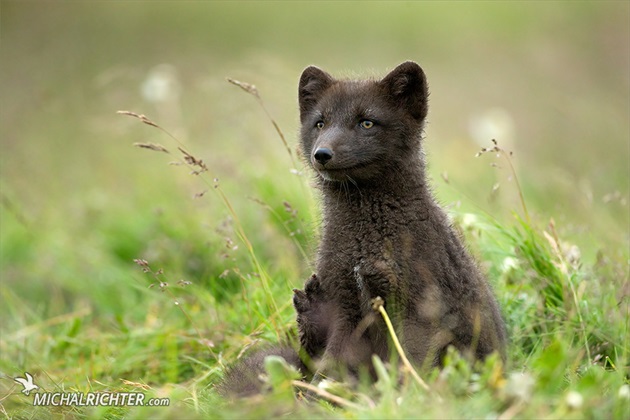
x: 548, y: 80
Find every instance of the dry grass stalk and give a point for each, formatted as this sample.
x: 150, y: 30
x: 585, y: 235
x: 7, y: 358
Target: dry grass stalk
x: 507, y: 156
x: 136, y: 384
x: 252, y: 90
x: 247, y: 87
x: 141, y: 117
x: 377, y: 305
x: 152, y: 146
x: 193, y: 161
x: 342, y: 402
x: 188, y: 158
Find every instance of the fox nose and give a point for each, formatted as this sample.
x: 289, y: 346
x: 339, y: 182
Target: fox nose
x: 323, y: 155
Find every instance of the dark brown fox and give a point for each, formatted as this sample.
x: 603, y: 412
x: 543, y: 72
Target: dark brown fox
x: 383, y: 233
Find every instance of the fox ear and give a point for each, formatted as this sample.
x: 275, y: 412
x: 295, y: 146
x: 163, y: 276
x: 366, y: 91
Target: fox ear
x: 407, y: 86
x: 313, y: 83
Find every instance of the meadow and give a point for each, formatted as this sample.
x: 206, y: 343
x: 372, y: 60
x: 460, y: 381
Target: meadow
x: 147, y: 255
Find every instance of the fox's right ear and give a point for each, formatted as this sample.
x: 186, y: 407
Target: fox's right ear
x: 407, y: 85
x: 313, y: 83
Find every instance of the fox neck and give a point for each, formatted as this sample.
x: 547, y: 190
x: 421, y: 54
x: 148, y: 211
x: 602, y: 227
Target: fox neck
x: 402, y: 190
x: 402, y: 180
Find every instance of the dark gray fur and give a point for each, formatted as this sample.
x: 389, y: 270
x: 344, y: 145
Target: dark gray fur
x: 383, y: 236
x: 244, y: 377
x: 383, y: 233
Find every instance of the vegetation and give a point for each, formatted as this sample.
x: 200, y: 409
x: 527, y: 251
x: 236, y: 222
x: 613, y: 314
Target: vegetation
x: 150, y: 269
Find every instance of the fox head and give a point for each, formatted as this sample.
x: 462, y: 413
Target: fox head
x: 359, y: 131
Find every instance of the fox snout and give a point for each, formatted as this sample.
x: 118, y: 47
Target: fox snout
x: 322, y: 155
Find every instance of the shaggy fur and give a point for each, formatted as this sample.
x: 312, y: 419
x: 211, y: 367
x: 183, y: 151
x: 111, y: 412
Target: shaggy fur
x: 244, y: 377
x: 383, y: 236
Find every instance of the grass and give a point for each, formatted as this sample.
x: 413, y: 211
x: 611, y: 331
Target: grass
x: 171, y: 337
x: 218, y: 251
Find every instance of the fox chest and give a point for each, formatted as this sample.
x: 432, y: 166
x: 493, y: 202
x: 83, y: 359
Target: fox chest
x: 367, y: 264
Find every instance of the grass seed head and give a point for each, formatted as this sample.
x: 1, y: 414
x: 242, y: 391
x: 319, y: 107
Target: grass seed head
x: 193, y: 161
x: 141, y: 117
x: 152, y: 146
x: 200, y: 194
x: 144, y: 264
x: 247, y: 87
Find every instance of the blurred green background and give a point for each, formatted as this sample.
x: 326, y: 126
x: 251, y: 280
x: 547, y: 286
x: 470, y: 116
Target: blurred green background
x: 548, y: 80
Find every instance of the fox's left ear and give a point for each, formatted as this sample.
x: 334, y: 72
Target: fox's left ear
x: 407, y: 85
x: 313, y: 82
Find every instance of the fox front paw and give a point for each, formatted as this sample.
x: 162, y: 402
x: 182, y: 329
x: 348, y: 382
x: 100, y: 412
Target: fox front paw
x: 314, y: 315
x: 302, y: 299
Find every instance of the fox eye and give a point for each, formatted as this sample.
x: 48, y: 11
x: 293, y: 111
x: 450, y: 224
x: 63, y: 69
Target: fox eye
x: 319, y: 124
x: 366, y: 123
